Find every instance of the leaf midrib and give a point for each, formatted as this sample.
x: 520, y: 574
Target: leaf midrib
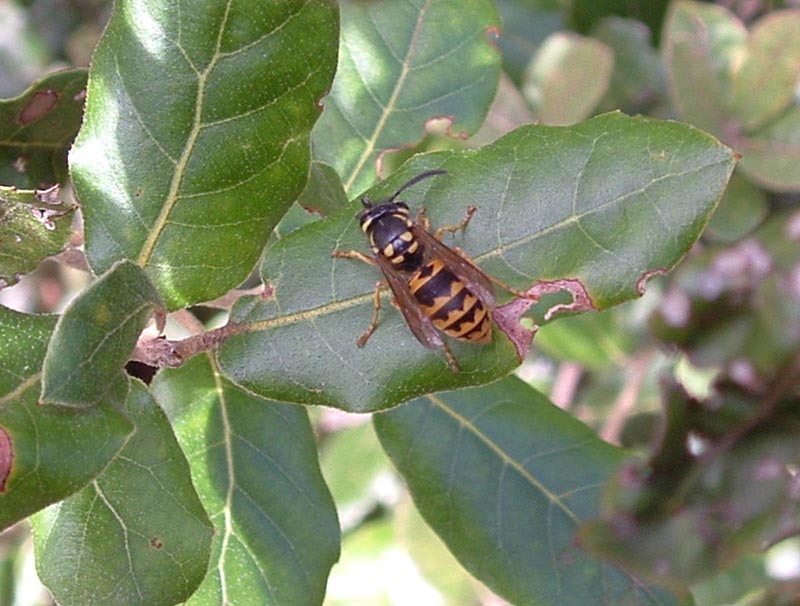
x: 180, y: 168
x: 505, y: 457
x: 390, y: 105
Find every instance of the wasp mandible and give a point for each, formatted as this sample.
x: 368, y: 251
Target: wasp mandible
x: 438, y: 290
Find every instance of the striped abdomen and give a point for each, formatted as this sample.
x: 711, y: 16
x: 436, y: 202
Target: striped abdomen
x: 449, y: 304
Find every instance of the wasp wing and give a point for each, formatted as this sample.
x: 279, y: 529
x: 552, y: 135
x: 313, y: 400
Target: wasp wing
x: 417, y: 321
x: 464, y: 269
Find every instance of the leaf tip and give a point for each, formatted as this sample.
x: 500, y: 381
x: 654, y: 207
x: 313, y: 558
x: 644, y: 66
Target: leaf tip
x: 641, y: 283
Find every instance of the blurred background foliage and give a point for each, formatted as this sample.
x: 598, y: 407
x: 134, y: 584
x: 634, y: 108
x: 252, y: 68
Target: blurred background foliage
x: 711, y: 348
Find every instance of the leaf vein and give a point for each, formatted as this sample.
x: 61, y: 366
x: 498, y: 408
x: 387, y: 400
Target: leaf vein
x: 371, y: 142
x: 504, y: 456
x: 180, y: 168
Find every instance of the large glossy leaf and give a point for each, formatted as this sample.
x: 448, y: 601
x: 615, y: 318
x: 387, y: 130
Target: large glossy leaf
x: 400, y: 65
x: 138, y: 534
x: 601, y: 205
x: 46, y: 452
x: 95, y: 336
x: 196, y: 135
x: 37, y: 127
x: 505, y: 477
x: 254, y: 463
x: 33, y: 225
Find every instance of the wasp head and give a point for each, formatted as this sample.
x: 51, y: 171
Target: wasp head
x: 373, y: 213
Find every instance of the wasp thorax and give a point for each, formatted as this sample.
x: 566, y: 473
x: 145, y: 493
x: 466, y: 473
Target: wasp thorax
x: 388, y: 227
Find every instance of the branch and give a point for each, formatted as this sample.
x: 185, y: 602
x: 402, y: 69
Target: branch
x: 161, y: 352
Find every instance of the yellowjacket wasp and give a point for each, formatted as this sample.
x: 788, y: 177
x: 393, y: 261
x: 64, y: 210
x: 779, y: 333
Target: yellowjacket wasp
x: 437, y: 289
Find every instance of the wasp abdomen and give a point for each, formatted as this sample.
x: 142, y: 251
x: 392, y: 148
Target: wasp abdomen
x: 450, y: 305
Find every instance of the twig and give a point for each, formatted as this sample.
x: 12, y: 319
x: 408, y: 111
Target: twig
x: 566, y: 384
x: 163, y: 352
x: 625, y: 403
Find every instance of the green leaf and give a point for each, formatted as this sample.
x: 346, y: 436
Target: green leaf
x: 254, y: 463
x: 526, y: 24
x: 138, y: 534
x: 37, y: 128
x: 638, y: 81
x: 567, y: 78
x: 46, y: 452
x: 400, y: 65
x: 766, y: 80
x: 585, y: 14
x: 740, y: 583
x: 33, y: 225
x: 701, y: 44
x: 596, y: 341
x: 743, y: 207
x: 322, y: 196
x: 353, y: 492
x: 323, y: 193
x: 96, y: 335
x: 509, y: 110
x: 598, y: 206
x: 505, y: 478
x: 771, y: 156
x: 196, y: 136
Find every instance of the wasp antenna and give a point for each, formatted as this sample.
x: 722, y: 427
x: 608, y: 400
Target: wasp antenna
x: 417, y: 179
x: 366, y: 202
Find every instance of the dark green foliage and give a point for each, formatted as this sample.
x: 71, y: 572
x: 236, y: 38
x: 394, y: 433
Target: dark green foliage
x: 223, y: 146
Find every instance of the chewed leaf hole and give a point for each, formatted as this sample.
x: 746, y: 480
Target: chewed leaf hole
x: 509, y: 317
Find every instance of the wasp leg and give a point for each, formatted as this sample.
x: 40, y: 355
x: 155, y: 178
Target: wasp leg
x: 352, y: 254
x: 423, y: 221
x: 510, y: 289
x: 376, y: 300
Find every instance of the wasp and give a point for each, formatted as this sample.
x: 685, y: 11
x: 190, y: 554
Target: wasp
x: 437, y: 289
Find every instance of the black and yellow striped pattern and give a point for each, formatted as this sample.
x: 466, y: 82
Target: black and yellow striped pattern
x: 449, y: 304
